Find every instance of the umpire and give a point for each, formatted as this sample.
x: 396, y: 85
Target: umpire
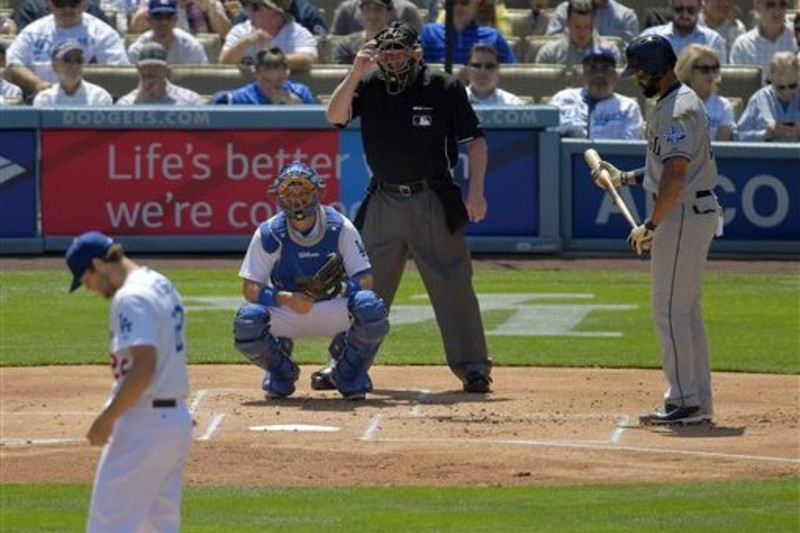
x: 412, y: 119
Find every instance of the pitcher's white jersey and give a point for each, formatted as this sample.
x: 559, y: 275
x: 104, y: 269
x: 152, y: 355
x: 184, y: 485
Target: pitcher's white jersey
x: 148, y: 310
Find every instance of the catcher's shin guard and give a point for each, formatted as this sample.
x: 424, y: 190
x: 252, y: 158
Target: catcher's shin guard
x: 262, y: 348
x: 355, y: 349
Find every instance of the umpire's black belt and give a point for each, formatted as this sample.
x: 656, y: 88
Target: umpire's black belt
x: 405, y: 189
x: 159, y: 404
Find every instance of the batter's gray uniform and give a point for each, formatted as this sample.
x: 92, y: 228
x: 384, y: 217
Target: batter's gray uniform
x: 678, y: 128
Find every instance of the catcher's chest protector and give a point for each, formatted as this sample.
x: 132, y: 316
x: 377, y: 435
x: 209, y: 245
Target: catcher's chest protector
x: 297, y: 259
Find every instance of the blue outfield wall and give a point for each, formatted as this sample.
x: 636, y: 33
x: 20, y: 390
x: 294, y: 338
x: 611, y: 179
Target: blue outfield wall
x: 540, y: 195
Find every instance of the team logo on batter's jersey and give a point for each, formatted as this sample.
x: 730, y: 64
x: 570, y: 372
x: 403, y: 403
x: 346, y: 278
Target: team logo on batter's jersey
x: 675, y: 134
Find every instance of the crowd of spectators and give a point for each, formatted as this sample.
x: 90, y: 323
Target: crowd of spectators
x: 46, y: 44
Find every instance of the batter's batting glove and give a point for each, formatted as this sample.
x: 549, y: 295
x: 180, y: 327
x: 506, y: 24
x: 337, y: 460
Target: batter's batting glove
x: 618, y: 178
x: 641, y: 237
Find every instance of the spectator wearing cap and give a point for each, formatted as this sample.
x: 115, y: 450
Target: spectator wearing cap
x: 193, y: 16
x: 684, y: 29
x: 771, y: 35
x: 182, y: 47
x: 29, y: 62
x: 348, y: 18
x: 272, y: 85
x: 269, y: 25
x: 154, y: 86
x: 595, y: 111
x: 467, y: 32
x: 9, y: 93
x: 483, y: 75
x: 71, y: 88
x: 698, y: 67
x: 580, y: 38
x: 375, y: 15
x: 611, y: 19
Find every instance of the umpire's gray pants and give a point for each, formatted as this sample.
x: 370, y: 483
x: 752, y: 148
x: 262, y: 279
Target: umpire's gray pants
x: 396, y: 225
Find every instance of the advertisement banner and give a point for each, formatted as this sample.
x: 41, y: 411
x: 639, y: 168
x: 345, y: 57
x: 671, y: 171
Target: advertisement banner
x: 17, y: 183
x: 170, y: 182
x: 511, y: 186
x: 761, y: 201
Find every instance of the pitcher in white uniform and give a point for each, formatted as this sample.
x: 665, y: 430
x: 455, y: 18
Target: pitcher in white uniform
x: 145, y: 427
x: 681, y: 173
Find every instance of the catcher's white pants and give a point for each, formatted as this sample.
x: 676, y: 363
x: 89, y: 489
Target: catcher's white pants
x: 326, y: 319
x: 138, y: 483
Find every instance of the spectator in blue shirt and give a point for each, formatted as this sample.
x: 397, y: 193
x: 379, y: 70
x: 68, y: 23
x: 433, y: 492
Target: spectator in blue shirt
x: 272, y: 85
x: 467, y: 33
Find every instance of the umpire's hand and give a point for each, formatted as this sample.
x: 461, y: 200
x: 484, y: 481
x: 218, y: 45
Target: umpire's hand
x: 476, y: 206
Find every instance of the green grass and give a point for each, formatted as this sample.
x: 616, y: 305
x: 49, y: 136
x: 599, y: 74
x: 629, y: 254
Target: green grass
x: 753, y: 321
x: 755, y: 506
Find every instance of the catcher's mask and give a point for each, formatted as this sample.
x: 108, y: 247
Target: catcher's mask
x: 399, y: 55
x: 297, y: 188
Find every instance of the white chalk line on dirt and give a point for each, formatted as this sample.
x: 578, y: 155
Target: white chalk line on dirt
x: 197, y: 400
x: 622, y: 425
x: 597, y: 446
x: 17, y: 442
x: 419, y: 401
x: 212, y: 427
x: 372, y: 428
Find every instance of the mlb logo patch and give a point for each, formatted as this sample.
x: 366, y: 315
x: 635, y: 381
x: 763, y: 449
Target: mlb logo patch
x: 424, y: 121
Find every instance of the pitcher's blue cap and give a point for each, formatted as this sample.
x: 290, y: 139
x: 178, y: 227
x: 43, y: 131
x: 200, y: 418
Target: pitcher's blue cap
x: 83, y: 249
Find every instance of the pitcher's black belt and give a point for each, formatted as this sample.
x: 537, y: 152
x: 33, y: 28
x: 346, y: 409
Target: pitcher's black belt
x: 698, y: 194
x: 406, y: 189
x: 158, y: 404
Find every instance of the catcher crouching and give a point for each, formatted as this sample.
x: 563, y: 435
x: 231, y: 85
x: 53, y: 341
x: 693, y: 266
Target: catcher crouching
x: 306, y: 274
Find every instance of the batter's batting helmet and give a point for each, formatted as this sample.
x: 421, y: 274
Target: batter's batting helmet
x: 298, y: 189
x: 652, y: 54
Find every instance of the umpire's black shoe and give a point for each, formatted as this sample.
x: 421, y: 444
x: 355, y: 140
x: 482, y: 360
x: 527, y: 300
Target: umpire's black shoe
x: 323, y: 379
x: 673, y: 415
x: 477, y: 382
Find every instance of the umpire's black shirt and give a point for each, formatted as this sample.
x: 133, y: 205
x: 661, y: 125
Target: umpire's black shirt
x: 412, y: 136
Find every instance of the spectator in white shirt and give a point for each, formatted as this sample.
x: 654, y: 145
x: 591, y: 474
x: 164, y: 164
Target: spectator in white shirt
x: 595, y: 111
x: 757, y: 46
x: 698, y: 67
x: 269, y: 25
x: 722, y: 16
x: 71, y: 88
x: 612, y: 19
x: 9, y: 93
x: 182, y: 47
x: 154, y: 87
x: 29, y: 64
x: 685, y: 30
x: 483, y: 75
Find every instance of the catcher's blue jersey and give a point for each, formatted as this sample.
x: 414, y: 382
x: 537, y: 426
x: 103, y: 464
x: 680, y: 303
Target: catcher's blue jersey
x: 299, y: 258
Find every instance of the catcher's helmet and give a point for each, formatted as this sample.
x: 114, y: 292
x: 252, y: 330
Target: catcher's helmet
x: 297, y: 188
x: 652, y: 54
x: 398, y: 55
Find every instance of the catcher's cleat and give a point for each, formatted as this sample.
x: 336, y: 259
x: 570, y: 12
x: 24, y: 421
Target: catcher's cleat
x: 477, y: 382
x: 674, y: 415
x: 322, y: 379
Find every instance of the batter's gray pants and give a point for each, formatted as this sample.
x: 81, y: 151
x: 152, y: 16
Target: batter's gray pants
x: 396, y: 225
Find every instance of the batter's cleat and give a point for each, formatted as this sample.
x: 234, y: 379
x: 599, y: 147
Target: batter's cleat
x: 477, y: 382
x: 674, y: 415
x: 322, y: 379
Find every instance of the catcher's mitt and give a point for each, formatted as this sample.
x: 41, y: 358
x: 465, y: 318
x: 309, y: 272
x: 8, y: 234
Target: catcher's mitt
x: 327, y: 282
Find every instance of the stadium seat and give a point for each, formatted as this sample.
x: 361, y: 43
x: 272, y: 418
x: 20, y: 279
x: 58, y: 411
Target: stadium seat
x: 739, y: 81
x: 529, y: 46
x: 118, y: 80
x: 532, y: 81
x: 322, y: 79
x: 209, y: 79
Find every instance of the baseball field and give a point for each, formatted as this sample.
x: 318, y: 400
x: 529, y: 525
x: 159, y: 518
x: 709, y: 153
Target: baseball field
x: 556, y: 447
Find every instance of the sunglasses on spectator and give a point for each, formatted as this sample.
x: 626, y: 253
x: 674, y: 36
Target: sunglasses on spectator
x: 74, y: 60
x: 483, y: 66
x: 791, y: 86
x: 162, y: 16
x: 685, y: 9
x: 463, y: 2
x: 778, y: 5
x: 66, y: 3
x: 706, y: 69
x: 598, y: 67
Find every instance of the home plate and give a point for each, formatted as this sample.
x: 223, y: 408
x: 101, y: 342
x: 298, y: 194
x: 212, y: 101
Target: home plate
x: 295, y: 427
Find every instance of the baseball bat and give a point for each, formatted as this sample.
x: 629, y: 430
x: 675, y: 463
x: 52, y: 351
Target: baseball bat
x: 592, y: 159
